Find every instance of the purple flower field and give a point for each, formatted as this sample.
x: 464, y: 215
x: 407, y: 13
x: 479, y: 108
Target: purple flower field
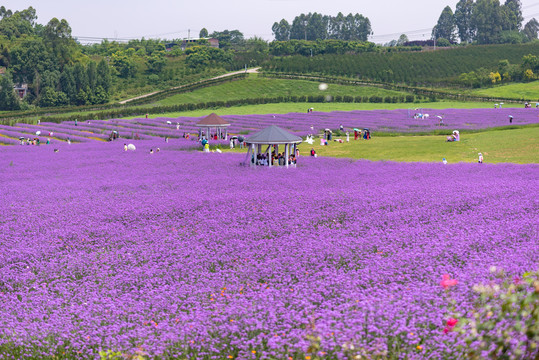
x: 183, y: 254
x: 393, y: 121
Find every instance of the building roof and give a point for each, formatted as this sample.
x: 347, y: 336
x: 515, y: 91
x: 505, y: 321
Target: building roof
x: 273, y: 135
x: 213, y: 120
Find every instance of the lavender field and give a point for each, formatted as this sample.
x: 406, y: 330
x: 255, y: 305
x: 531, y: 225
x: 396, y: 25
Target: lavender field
x: 389, y: 121
x: 183, y: 254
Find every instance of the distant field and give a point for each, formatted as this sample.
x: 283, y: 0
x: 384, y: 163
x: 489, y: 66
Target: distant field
x: 497, y: 146
x: 284, y: 108
x: 529, y: 91
x: 255, y: 87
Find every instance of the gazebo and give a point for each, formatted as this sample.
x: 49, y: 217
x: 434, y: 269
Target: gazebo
x: 213, y: 121
x: 272, y: 136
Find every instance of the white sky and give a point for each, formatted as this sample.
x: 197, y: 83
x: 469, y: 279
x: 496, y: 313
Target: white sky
x: 173, y: 18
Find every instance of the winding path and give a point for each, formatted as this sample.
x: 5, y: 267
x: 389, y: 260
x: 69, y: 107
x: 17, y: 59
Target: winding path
x: 252, y: 70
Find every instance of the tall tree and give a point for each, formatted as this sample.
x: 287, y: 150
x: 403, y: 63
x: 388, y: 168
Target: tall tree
x: 512, y: 15
x: 57, y: 35
x: 203, y: 33
x: 445, y: 28
x: 317, y: 26
x: 281, y: 30
x: 487, y: 19
x: 103, y: 76
x: 463, y: 20
x: 91, y: 70
x: 531, y: 29
x: 298, y: 30
x: 8, y: 98
x: 67, y: 83
x: 81, y: 77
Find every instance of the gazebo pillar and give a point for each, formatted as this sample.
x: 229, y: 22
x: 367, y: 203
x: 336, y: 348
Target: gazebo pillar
x: 286, y: 146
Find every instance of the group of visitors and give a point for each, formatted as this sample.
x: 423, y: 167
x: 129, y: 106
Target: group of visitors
x: 365, y: 134
x: 276, y: 159
x: 186, y: 136
x: 114, y: 135
x: 237, y: 140
x: 34, y: 141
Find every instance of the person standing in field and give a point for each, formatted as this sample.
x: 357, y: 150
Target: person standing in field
x: 480, y: 158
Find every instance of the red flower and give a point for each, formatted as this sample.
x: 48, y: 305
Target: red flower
x: 447, y: 282
x: 452, y: 322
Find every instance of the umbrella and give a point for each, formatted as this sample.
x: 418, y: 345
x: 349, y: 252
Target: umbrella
x: 240, y: 138
x: 501, y: 103
x: 21, y: 137
x: 233, y: 137
x: 327, y: 130
x: 168, y: 122
x: 356, y: 129
x: 38, y: 133
x: 131, y: 147
x: 439, y: 117
x: 365, y: 129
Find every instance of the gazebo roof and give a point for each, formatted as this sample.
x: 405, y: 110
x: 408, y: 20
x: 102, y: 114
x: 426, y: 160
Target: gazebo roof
x: 273, y: 135
x: 213, y: 120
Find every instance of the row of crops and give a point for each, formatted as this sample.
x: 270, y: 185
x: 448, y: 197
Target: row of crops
x: 423, y: 67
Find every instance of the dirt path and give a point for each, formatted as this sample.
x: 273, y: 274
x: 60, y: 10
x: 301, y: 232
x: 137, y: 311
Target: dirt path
x: 250, y: 71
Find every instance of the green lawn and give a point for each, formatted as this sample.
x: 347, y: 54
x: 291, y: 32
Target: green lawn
x: 498, y: 146
x: 529, y: 91
x: 259, y: 87
x: 284, y: 108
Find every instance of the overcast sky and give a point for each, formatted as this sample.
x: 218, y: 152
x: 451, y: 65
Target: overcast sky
x: 174, y: 18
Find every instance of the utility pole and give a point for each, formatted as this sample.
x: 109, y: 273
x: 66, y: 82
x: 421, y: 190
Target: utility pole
x: 188, y: 34
x: 434, y: 38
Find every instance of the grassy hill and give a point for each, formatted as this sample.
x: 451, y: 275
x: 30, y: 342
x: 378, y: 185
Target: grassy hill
x: 258, y: 87
x: 529, y: 91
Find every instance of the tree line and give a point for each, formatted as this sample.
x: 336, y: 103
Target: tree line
x: 315, y: 26
x: 485, y: 22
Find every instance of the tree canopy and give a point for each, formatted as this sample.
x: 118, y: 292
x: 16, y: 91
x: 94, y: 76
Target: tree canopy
x: 315, y: 26
x: 486, y: 22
